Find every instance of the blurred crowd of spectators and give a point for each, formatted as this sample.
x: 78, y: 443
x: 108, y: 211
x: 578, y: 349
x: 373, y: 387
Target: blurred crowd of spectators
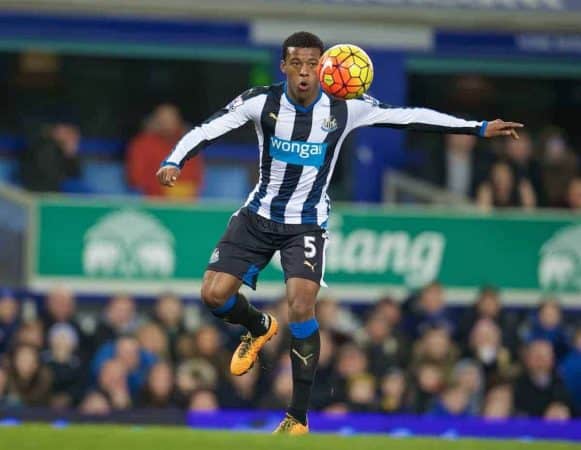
x: 507, y: 173
x: 416, y: 356
x: 526, y: 173
x: 51, y: 162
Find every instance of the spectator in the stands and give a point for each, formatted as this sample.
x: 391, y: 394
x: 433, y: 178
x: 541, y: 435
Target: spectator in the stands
x: 29, y: 382
x: 30, y: 333
x: 95, y: 403
x: 571, y: 371
x: 486, y: 349
x: 498, y: 403
x: 240, y: 392
x: 152, y: 339
x: 539, y: 386
x: 162, y: 130
x: 119, y: 318
x: 428, y: 380
x: 51, y: 158
x: 60, y: 307
x: 3, y: 386
x: 559, y: 166
x: 135, y: 360
x: 459, y: 168
x: 427, y: 309
x: 159, y: 390
x: 208, y: 345
x: 9, y: 318
x: 169, y: 314
x: 389, y: 310
x: 361, y: 393
x: 384, y: 349
x: 392, y: 391
x: 336, y: 318
x: 204, y: 400
x: 488, y: 306
x: 574, y: 193
x: 525, y: 167
x: 280, y: 395
x: 351, y: 361
x: 192, y: 375
x: 453, y: 402
x: 112, y: 383
x: 468, y: 375
x: 435, y: 347
x: 547, y: 324
x: 557, y: 411
x: 502, y: 189
x: 65, y: 365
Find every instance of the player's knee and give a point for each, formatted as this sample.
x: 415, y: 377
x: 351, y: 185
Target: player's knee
x: 213, y: 295
x: 301, y: 309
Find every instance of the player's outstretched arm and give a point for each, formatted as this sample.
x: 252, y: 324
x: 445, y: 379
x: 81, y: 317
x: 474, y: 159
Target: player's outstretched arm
x: 499, y: 127
x: 369, y: 111
x: 242, y: 109
x: 168, y: 175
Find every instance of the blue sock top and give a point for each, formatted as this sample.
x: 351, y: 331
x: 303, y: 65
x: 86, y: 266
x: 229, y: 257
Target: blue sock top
x: 226, y: 307
x: 302, y: 330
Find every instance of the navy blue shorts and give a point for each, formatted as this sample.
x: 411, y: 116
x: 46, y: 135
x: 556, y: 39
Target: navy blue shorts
x: 250, y: 241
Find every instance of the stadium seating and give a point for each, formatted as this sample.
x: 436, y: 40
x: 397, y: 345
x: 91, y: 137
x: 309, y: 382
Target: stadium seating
x: 8, y: 169
x: 104, y: 177
x: 225, y: 182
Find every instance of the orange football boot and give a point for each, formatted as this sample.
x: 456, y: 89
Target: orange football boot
x: 247, y: 352
x: 291, y: 426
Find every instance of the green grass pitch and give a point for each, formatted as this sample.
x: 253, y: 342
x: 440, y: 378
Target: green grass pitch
x: 114, y: 437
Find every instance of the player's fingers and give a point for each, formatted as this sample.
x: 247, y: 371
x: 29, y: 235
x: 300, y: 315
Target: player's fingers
x: 512, y: 125
x: 514, y: 134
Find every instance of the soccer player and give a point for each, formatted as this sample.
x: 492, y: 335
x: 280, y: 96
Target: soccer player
x: 300, y: 131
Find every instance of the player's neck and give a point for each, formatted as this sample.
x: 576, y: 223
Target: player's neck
x: 305, y: 102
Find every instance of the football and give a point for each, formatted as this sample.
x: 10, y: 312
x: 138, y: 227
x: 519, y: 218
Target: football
x: 345, y: 71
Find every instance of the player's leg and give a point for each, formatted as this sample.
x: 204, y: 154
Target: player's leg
x: 238, y: 258
x: 220, y: 294
x: 305, y: 344
x: 303, y: 262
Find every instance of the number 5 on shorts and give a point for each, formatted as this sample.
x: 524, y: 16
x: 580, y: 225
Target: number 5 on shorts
x: 310, y: 249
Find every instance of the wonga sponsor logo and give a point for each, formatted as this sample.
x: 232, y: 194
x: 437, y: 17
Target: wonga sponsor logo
x: 298, y: 152
x: 129, y: 244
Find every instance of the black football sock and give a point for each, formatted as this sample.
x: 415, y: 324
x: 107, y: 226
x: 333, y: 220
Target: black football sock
x: 304, y: 353
x: 238, y: 310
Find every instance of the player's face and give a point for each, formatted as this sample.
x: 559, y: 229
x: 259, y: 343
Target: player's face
x: 300, y: 68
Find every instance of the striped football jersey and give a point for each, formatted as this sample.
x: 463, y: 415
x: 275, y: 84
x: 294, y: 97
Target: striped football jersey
x: 299, y: 146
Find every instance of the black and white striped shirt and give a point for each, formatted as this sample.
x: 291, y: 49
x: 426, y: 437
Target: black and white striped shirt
x: 299, y: 146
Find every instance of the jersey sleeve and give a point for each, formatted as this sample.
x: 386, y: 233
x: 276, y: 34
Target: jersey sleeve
x: 369, y: 111
x: 239, y: 111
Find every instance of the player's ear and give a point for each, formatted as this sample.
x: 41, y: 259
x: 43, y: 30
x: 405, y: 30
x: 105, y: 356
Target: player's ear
x: 283, y: 66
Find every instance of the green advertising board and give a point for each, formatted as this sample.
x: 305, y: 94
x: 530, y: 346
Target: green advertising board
x: 150, y: 247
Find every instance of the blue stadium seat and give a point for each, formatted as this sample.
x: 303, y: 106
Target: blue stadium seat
x: 225, y: 182
x: 104, y: 177
x: 8, y: 169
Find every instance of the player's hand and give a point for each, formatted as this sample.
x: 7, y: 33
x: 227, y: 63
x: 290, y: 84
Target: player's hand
x: 499, y: 127
x: 168, y: 175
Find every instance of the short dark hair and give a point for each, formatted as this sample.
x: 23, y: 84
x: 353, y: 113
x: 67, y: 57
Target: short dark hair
x: 301, y: 39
